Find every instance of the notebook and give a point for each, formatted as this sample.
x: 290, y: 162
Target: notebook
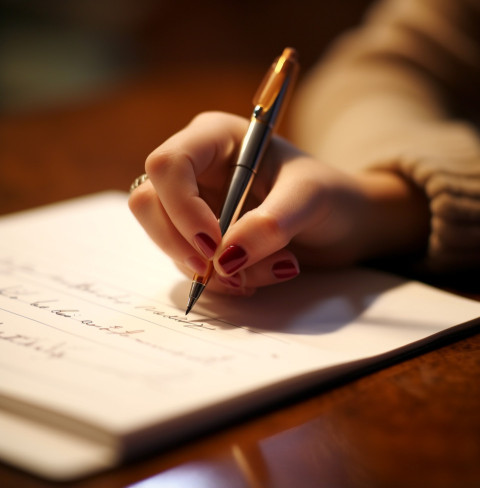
x: 99, y: 363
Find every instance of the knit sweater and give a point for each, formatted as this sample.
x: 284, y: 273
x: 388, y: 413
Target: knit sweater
x: 402, y: 93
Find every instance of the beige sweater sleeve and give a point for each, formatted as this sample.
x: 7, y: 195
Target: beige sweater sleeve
x: 401, y: 93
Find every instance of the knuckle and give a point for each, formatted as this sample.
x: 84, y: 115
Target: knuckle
x: 200, y: 118
x: 270, y: 230
x: 206, y: 116
x: 158, y: 162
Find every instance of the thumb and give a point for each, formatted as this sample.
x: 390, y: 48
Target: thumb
x: 292, y: 205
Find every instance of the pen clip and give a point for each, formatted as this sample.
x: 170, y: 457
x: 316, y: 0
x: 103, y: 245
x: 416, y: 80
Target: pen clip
x: 274, y: 88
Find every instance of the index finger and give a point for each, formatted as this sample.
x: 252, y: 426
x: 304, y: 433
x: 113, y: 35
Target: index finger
x: 198, y: 153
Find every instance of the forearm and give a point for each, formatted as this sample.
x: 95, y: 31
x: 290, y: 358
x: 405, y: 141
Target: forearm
x: 373, y: 113
x: 380, y: 102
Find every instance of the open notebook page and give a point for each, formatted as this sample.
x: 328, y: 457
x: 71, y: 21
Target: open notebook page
x: 97, y: 354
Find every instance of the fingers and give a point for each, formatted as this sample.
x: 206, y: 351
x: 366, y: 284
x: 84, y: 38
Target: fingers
x: 176, y: 206
x: 187, y: 178
x: 149, y: 211
x: 188, y: 173
x: 256, y: 244
x: 293, y: 206
x: 276, y: 268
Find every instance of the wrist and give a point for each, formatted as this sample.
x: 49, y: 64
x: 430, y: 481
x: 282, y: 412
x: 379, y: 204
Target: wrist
x: 396, y: 215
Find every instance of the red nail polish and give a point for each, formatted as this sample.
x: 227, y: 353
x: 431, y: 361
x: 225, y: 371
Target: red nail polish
x: 233, y: 258
x: 284, y: 270
x: 205, y: 244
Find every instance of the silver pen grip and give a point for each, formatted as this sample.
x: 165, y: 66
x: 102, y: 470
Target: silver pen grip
x: 251, y: 153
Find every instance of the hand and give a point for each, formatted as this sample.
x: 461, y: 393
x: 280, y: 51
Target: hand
x: 298, y: 209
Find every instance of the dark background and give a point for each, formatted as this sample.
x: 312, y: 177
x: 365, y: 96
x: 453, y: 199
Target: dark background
x: 88, y: 89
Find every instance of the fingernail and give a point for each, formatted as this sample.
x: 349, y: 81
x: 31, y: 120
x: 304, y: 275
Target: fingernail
x: 234, y: 281
x: 233, y: 258
x: 205, y: 244
x: 196, y: 264
x: 285, y: 269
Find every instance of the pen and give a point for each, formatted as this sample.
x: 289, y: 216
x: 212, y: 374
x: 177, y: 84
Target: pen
x: 268, y: 103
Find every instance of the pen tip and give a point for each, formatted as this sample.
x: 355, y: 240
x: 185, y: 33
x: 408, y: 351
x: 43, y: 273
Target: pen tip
x: 191, y: 303
x: 195, y: 292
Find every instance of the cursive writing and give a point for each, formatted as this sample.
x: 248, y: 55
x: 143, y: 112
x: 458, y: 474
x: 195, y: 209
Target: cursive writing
x: 56, y: 350
x: 176, y: 318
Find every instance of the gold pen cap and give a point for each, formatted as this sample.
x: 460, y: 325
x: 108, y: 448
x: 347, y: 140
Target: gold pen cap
x: 277, y: 80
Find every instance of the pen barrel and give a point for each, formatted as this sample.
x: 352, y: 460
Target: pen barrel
x: 251, y: 153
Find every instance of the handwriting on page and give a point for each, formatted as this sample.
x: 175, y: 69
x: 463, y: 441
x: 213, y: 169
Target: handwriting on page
x: 69, y: 319
x: 55, y: 350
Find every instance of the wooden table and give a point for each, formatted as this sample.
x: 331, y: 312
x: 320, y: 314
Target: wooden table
x: 416, y: 423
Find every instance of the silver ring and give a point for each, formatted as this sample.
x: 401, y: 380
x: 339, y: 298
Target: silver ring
x: 138, y: 181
